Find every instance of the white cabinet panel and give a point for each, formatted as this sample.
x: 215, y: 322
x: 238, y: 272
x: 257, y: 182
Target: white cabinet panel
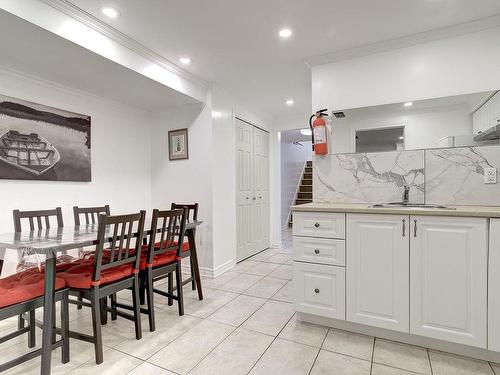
x: 377, y: 270
x: 319, y: 224
x: 494, y: 287
x: 449, y: 279
x: 319, y: 290
x: 319, y: 250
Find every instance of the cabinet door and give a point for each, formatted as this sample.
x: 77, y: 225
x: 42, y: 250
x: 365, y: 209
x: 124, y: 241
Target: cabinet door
x: 448, y: 279
x: 377, y: 269
x: 319, y: 290
x: 244, y: 189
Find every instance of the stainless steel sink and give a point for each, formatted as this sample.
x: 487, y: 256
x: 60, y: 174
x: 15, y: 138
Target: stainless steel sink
x: 411, y: 205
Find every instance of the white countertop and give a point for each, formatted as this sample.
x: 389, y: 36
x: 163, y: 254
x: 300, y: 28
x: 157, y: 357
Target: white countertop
x: 468, y: 211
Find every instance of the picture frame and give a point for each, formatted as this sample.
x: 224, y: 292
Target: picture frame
x: 178, y: 144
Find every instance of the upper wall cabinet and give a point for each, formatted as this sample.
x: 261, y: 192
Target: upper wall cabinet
x: 377, y: 271
x: 488, y: 115
x: 448, y: 279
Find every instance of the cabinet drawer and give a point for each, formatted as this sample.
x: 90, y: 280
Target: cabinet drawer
x: 319, y: 250
x: 319, y: 290
x: 319, y: 224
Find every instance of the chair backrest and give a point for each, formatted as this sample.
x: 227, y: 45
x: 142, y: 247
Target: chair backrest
x: 192, y: 210
x: 38, y: 216
x: 167, y: 232
x: 118, y: 233
x: 91, y: 214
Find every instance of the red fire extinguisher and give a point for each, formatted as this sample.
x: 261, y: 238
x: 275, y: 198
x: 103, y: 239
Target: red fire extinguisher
x: 318, y: 129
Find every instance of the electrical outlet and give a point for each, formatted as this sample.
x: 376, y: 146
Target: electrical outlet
x: 490, y: 175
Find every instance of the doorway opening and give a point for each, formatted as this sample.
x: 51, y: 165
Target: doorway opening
x: 296, y: 176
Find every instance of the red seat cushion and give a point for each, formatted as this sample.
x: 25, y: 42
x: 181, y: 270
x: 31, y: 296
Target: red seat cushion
x: 185, y: 245
x: 24, y: 286
x: 159, y: 260
x: 80, y: 276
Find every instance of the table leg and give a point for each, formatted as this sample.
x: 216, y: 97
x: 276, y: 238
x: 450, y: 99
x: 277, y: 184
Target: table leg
x: 48, y: 314
x: 194, y: 257
x: 2, y: 258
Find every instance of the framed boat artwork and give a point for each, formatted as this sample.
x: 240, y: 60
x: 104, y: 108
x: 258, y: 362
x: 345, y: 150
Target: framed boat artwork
x: 43, y: 143
x: 178, y: 144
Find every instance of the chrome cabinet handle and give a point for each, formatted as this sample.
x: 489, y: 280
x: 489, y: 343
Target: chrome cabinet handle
x: 316, y: 290
x: 415, y: 228
x: 316, y: 251
x: 404, y: 228
x: 316, y: 225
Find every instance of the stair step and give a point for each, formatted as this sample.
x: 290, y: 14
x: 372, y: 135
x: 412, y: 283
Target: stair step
x: 307, y: 182
x: 307, y: 195
x: 308, y: 170
x: 302, y: 201
x: 307, y: 176
x: 305, y: 189
x: 309, y: 163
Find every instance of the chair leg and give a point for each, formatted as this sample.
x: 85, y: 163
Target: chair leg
x: 20, y: 321
x: 142, y: 291
x: 65, y: 328
x: 103, y: 304
x: 193, y: 281
x: 54, y: 336
x: 170, y: 288
x: 80, y: 299
x: 137, y: 308
x: 96, y: 326
x: 32, y: 332
x: 150, y: 297
x: 180, y: 295
x: 113, y: 307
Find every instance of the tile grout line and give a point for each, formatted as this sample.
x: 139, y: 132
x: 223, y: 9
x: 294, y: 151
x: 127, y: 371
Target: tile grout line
x: 319, y: 351
x: 429, y: 358
x: 373, y: 355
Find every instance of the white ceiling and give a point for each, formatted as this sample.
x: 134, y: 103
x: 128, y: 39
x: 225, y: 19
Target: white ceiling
x: 40, y: 53
x: 235, y: 43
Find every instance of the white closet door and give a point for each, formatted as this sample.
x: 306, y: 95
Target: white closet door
x: 244, y: 189
x: 261, y: 190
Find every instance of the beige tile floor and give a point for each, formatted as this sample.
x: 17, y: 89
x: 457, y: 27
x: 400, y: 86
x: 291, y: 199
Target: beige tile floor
x: 245, y: 325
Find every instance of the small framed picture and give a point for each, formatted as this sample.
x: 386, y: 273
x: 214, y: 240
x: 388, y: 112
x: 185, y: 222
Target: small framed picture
x: 178, y: 144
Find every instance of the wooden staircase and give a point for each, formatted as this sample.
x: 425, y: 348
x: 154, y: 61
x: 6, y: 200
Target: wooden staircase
x: 304, y: 191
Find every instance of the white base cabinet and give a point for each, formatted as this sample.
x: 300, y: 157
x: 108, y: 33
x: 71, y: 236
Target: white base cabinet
x: 494, y: 287
x: 378, y: 271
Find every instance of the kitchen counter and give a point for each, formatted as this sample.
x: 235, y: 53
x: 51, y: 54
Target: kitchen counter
x: 464, y: 211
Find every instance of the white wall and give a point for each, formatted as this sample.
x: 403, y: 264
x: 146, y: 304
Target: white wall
x: 458, y: 65
x: 423, y: 128
x: 120, y: 167
x: 185, y: 181
x: 293, y: 158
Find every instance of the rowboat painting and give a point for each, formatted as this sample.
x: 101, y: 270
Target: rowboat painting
x: 29, y: 152
x: 43, y: 143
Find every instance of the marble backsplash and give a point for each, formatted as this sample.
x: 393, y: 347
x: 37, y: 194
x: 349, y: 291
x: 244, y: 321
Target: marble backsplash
x: 440, y: 176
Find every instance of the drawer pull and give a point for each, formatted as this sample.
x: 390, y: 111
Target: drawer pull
x: 316, y: 290
x: 316, y: 251
x: 316, y: 225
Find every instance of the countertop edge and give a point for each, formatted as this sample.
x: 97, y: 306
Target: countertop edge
x: 459, y: 211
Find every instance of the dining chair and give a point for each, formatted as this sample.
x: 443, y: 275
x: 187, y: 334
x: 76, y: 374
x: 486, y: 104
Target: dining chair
x: 111, y: 270
x: 90, y: 214
x: 22, y: 293
x: 192, y: 214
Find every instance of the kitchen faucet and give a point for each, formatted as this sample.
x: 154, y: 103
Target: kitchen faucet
x: 406, y: 194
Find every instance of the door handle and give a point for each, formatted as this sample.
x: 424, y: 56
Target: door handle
x: 415, y: 228
x: 404, y: 227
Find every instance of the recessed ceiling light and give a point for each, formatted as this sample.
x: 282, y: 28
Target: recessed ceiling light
x: 305, y: 131
x: 289, y: 102
x: 285, y: 33
x: 185, y: 60
x: 110, y: 12
x: 401, y: 137
x: 408, y: 104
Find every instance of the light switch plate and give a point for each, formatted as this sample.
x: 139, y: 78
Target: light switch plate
x: 490, y: 175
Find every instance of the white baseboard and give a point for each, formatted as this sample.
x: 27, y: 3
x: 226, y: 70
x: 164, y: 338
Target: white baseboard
x: 445, y: 346
x: 213, y: 272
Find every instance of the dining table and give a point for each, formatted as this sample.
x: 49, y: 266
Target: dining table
x: 45, y: 245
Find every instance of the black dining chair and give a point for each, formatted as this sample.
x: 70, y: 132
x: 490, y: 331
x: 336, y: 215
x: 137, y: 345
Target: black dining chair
x: 111, y: 270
